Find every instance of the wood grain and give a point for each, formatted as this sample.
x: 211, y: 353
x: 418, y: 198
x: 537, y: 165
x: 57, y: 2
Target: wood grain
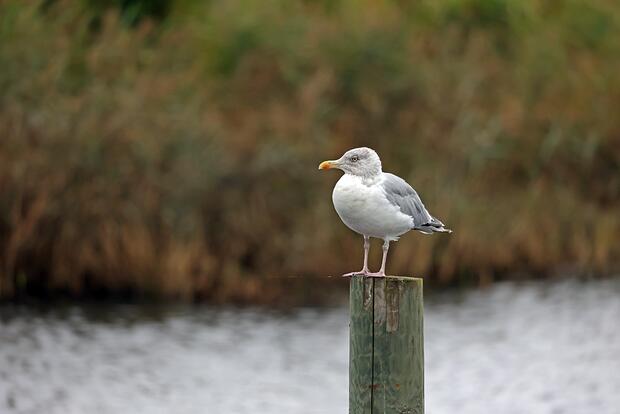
x: 360, y: 345
x: 393, y: 346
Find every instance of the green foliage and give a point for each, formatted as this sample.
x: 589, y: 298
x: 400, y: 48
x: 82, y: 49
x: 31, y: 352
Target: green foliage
x: 178, y: 158
x: 132, y: 11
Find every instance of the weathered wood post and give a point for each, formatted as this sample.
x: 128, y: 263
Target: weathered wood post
x: 386, y: 371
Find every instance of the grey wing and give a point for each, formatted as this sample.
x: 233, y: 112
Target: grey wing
x: 400, y: 193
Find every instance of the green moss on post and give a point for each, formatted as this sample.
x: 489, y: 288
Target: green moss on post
x: 386, y: 374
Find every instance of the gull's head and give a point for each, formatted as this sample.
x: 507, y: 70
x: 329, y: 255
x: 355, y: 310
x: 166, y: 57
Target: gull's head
x: 363, y: 162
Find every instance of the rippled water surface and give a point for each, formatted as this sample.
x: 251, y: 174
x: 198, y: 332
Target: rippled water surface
x: 534, y: 348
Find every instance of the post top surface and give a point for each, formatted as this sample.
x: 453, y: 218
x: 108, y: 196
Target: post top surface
x: 394, y: 277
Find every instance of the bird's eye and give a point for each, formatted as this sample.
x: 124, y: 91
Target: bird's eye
x: 355, y: 158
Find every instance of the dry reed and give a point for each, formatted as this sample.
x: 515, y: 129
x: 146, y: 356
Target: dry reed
x: 177, y: 158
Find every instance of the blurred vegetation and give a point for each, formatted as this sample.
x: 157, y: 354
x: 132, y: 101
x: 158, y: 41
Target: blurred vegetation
x: 165, y: 148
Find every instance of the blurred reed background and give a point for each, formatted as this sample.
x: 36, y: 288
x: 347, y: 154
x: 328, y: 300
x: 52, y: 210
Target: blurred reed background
x: 169, y: 149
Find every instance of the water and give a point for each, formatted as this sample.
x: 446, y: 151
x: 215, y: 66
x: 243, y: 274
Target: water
x: 534, y: 348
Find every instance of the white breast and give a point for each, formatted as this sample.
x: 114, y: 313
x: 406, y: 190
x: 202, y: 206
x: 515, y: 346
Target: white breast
x: 364, y: 208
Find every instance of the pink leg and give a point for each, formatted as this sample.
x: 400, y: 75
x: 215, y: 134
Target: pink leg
x: 364, y: 270
x: 381, y: 273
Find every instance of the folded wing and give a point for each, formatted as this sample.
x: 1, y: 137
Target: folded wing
x: 401, y: 194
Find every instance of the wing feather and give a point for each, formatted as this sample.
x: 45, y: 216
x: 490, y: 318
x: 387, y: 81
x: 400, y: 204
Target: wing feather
x: 401, y: 194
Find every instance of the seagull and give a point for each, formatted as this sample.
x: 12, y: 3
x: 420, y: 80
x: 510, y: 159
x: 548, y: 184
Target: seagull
x: 377, y: 204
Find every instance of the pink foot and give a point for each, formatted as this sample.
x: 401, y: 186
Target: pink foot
x: 375, y: 274
x: 359, y: 273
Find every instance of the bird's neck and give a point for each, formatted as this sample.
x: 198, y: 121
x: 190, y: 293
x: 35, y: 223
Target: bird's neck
x: 367, y: 179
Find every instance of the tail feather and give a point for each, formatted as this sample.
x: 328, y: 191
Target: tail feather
x: 434, y: 226
x: 431, y: 230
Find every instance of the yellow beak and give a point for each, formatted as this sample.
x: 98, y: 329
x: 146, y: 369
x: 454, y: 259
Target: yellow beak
x: 326, y: 165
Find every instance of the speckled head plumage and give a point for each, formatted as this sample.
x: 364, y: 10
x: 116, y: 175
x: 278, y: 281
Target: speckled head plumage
x: 363, y: 162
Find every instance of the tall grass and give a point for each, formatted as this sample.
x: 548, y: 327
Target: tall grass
x: 177, y: 157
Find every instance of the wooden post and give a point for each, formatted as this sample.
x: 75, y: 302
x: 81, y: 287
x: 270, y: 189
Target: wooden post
x: 386, y: 372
